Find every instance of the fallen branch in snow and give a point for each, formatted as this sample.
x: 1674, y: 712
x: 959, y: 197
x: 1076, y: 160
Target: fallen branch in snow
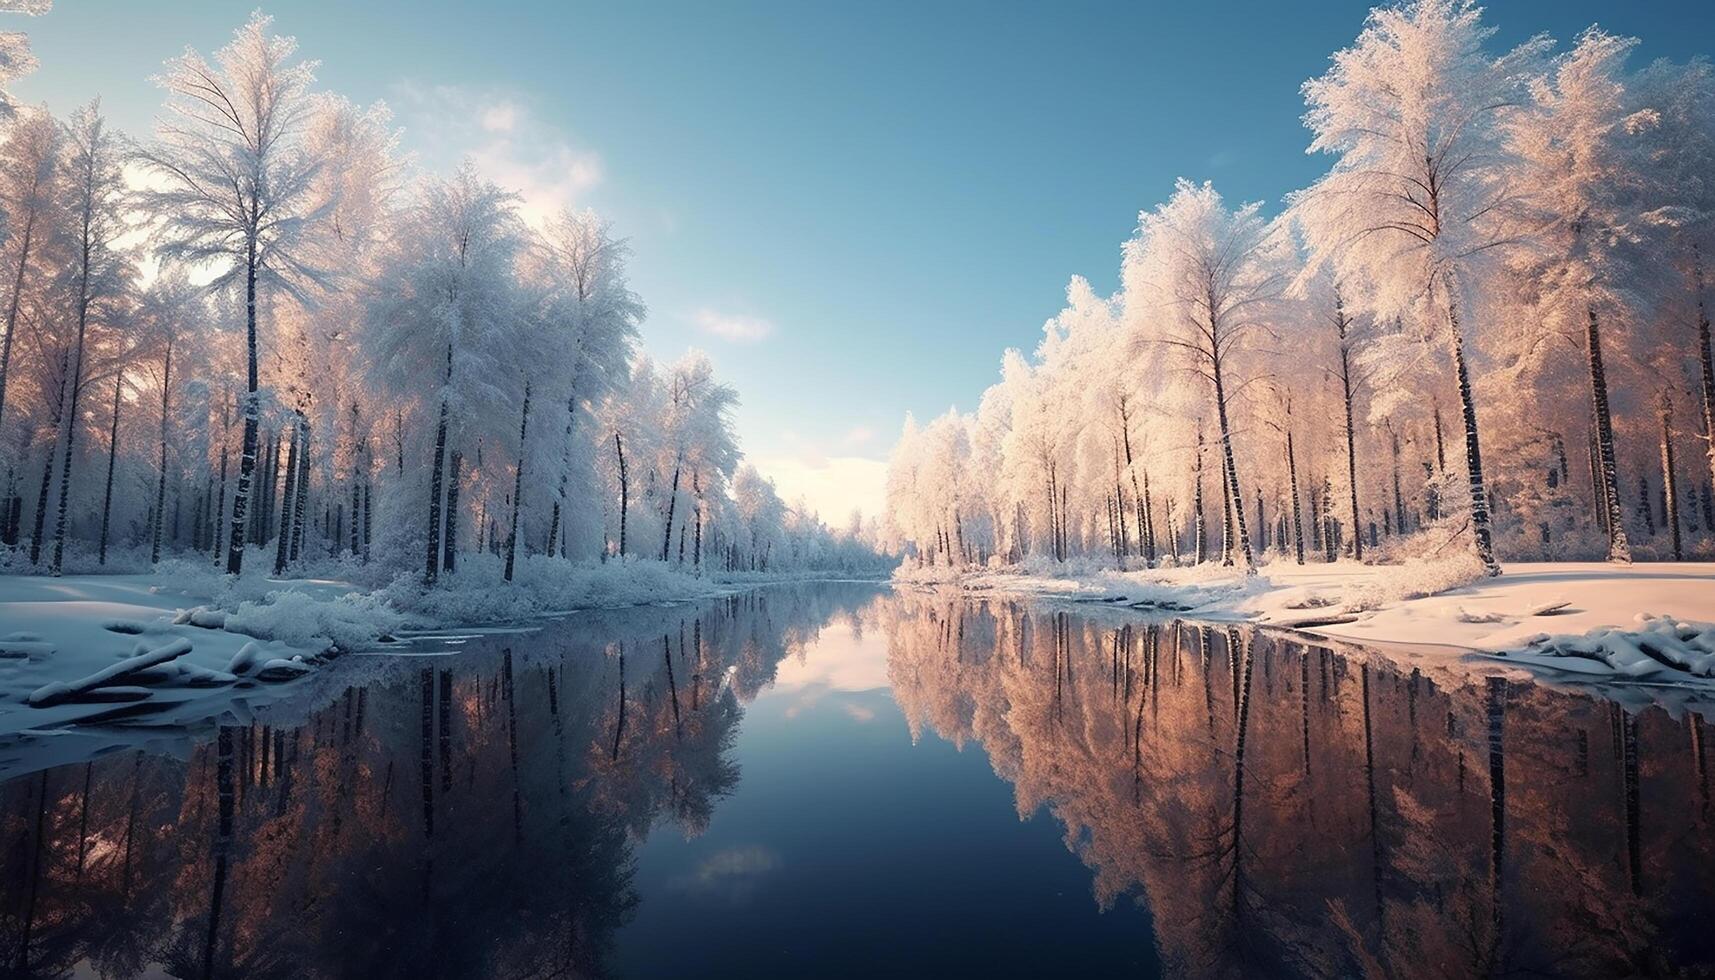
x: 58, y: 693
x: 1661, y: 649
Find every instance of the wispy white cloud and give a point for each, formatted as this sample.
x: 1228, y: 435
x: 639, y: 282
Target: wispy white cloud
x: 512, y: 145
x: 858, y: 437
x: 738, y: 328
x: 730, y: 875
x: 859, y: 713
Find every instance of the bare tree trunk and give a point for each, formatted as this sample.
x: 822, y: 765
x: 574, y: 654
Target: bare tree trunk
x: 283, y: 545
x: 624, y: 493
x: 300, y: 511
x: 697, y: 543
x: 112, y: 458
x: 1226, y: 519
x: 76, y: 391
x: 1598, y: 494
x: 1706, y: 363
x: 48, y: 465
x: 359, y: 472
x: 1398, y: 497
x: 1292, y: 475
x: 1330, y: 542
x: 517, y: 485
x: 1670, y: 480
x: 1147, y: 517
x: 432, y: 561
x: 1172, y: 533
x: 672, y: 504
x: 1619, y: 549
x: 565, y: 467
x: 1119, y: 514
x: 1343, y: 326
x: 1482, y: 530
x: 262, y: 516
x: 1197, y: 501
x: 247, y: 461
x: 450, y: 540
x: 1232, y: 471
x: 161, y: 484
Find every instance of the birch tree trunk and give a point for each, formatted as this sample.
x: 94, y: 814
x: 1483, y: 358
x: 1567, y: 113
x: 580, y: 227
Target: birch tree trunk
x: 1482, y: 529
x: 1232, y: 472
x: 1226, y: 519
x: 1670, y: 480
x: 1292, y: 477
x: 1619, y: 549
x: 432, y: 560
x: 1197, y: 502
x: 252, y: 407
x: 283, y: 544
x: 1343, y: 326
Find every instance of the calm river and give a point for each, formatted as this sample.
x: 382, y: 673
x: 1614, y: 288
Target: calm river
x: 840, y: 780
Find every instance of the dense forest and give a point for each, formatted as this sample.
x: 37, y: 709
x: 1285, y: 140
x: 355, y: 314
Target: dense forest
x: 1483, y: 332
x: 262, y: 334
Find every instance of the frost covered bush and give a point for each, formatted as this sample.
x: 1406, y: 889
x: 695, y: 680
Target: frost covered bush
x: 479, y: 593
x: 1414, y: 579
x: 349, y: 621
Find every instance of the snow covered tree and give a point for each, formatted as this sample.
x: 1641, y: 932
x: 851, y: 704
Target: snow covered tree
x: 1423, y: 191
x: 99, y: 274
x: 29, y: 161
x: 233, y: 187
x: 1205, y: 277
x: 596, y: 314
x: 440, y: 325
x: 16, y: 60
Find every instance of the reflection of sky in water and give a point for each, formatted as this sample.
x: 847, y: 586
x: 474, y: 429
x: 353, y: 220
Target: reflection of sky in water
x: 842, y: 661
x: 846, y: 848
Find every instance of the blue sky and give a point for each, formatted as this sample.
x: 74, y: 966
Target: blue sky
x: 853, y: 207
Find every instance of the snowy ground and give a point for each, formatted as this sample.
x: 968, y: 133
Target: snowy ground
x: 1574, y: 621
x: 108, y: 656
x: 123, y: 650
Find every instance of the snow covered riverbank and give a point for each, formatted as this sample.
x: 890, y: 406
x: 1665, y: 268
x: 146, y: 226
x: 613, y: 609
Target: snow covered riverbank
x: 1584, y: 621
x: 186, y: 644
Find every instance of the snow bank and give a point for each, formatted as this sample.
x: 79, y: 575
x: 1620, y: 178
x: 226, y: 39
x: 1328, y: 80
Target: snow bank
x: 1442, y: 609
x: 1661, y: 649
x: 479, y: 593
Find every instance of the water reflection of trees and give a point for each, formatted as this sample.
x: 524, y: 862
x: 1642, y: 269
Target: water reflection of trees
x: 1284, y: 807
x: 467, y: 815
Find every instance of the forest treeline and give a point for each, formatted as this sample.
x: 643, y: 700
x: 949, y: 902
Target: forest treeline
x: 261, y: 333
x: 1483, y: 331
